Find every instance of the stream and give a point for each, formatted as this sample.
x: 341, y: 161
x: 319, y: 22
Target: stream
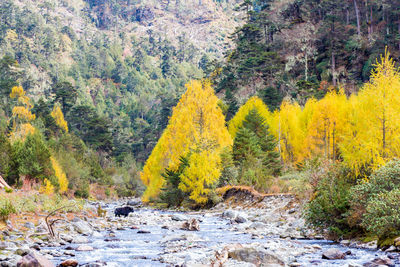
x: 151, y: 244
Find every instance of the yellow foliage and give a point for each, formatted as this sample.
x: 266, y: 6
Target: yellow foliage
x: 23, y: 113
x: 237, y: 121
x: 197, y: 125
x: 47, y: 188
x: 23, y: 131
x: 60, y: 174
x: 59, y: 118
x: 11, y: 35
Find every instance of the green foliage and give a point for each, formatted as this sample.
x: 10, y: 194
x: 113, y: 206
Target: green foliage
x: 170, y: 193
x: 5, y: 155
x: 374, y: 203
x: 329, y: 206
x: 6, y: 209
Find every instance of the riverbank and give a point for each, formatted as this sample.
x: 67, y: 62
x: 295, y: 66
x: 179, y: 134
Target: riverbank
x: 237, y: 232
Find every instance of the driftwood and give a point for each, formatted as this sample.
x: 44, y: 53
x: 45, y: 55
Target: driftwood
x: 3, y: 183
x: 50, y: 223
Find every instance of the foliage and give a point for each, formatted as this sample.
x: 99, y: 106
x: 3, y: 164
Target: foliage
x: 6, y: 209
x: 60, y: 175
x: 329, y: 206
x: 58, y: 116
x: 171, y: 194
x: 197, y: 125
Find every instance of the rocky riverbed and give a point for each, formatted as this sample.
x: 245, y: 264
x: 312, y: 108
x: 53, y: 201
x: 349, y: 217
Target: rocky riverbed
x: 270, y: 232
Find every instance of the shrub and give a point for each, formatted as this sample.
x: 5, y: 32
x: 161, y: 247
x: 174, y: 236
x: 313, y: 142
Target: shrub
x: 330, y: 203
x: 6, y: 209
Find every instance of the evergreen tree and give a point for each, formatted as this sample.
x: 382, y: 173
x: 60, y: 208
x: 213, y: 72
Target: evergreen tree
x: 256, y: 124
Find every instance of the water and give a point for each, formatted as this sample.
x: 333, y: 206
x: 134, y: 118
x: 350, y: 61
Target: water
x: 130, y: 248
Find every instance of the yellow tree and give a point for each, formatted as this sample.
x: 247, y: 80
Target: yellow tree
x: 21, y: 114
x: 60, y: 175
x: 196, y: 129
x: 327, y: 124
x: 374, y: 133
x: 58, y: 116
x: 253, y: 103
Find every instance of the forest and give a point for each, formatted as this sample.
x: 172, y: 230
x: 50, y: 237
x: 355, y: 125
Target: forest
x: 300, y: 97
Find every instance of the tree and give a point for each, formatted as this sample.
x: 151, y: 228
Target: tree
x: 66, y: 95
x: 197, y: 126
x: 58, y: 116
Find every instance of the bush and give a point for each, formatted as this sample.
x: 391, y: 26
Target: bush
x: 374, y: 202
x: 330, y: 203
x: 6, y: 209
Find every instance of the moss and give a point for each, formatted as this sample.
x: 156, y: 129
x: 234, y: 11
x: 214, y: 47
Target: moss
x: 368, y: 239
x: 385, y: 242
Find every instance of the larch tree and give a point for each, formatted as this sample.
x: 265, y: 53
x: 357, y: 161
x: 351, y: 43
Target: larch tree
x: 196, y: 130
x: 373, y: 137
x: 58, y: 116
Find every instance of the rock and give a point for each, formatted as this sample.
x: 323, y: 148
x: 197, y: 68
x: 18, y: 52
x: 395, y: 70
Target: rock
x: 80, y: 240
x: 257, y: 225
x: 354, y: 264
x: 123, y: 211
x: 83, y: 228
x: 69, y: 263
x: 22, y: 251
x: 143, y: 232
x: 191, y: 225
x: 230, y: 214
x: 391, y: 249
x: 240, y: 218
x: 34, y: 260
x: 179, y: 217
x: 95, y: 264
x: 29, y: 225
x: 134, y: 202
x: 84, y: 248
x: 385, y: 261
x: 291, y: 211
x: 258, y: 256
x: 333, y: 254
x: 397, y: 241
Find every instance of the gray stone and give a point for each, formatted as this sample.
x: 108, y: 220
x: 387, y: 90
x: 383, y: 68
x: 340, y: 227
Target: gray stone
x: 179, y: 217
x: 29, y: 225
x: 83, y: 228
x: 258, y: 256
x: 241, y: 218
x: 230, y: 214
x: 34, y: 260
x: 381, y: 261
x: 333, y: 254
x: 84, y: 248
x: 80, y: 240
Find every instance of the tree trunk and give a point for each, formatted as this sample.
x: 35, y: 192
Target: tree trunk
x: 333, y: 69
x: 357, y: 17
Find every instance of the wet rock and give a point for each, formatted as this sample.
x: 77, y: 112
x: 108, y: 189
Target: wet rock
x: 84, y: 248
x: 258, y: 256
x: 179, y: 217
x: 83, y: 228
x: 80, y: 240
x: 69, y: 263
x: 191, y: 225
x: 241, y: 218
x: 22, y: 251
x: 385, y: 261
x: 333, y: 254
x: 143, y: 232
x: 34, y: 260
x: 230, y: 214
x: 134, y: 202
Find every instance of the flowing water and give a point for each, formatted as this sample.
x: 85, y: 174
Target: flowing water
x: 130, y: 248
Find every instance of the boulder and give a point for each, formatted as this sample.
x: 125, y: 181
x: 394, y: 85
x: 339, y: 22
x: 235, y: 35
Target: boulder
x: 191, y: 225
x: 84, y: 248
x: 83, y: 228
x: 134, y: 202
x: 29, y: 225
x: 381, y: 261
x: 241, y: 218
x: 80, y: 240
x: 34, y: 260
x: 69, y: 263
x: 333, y: 254
x: 230, y: 214
x: 179, y: 217
x: 258, y: 256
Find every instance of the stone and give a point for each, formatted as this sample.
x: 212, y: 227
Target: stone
x: 69, y: 263
x: 83, y: 228
x: 258, y: 256
x: 397, y: 241
x: 241, y: 218
x: 84, y: 248
x: 191, y: 225
x: 34, y: 260
x: 333, y: 254
x: 143, y: 232
x: 80, y: 240
x: 133, y: 202
x: 22, y: 251
x: 179, y: 217
x: 230, y: 214
x: 385, y: 261
x: 29, y: 225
